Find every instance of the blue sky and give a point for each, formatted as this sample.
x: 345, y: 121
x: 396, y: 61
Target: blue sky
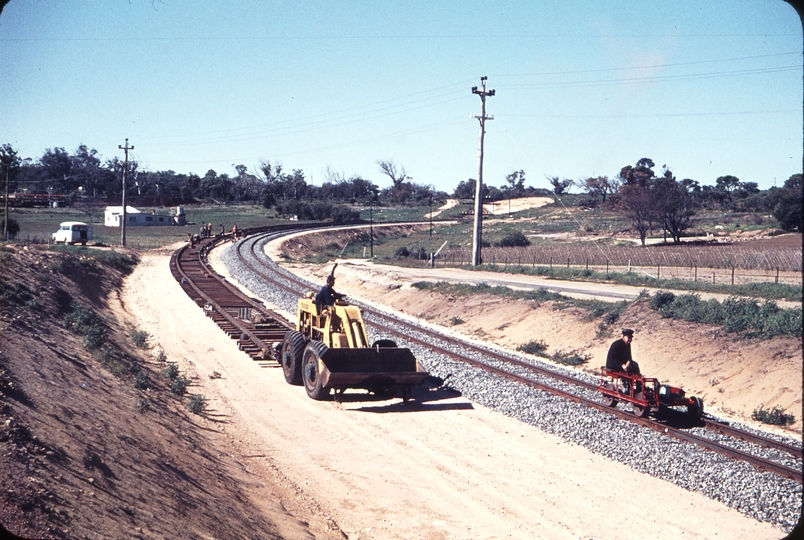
x: 708, y: 88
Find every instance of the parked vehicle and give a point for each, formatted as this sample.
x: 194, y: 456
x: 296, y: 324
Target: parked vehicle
x: 73, y: 232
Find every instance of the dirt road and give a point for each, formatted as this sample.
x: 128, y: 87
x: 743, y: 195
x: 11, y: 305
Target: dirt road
x: 442, y: 468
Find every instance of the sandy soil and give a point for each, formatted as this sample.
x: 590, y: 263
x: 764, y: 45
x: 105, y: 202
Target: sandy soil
x: 441, y: 467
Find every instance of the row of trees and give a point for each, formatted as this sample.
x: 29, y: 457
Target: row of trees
x: 649, y: 200
x: 84, y: 174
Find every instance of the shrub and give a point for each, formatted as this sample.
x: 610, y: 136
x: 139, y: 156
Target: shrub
x: 197, y: 404
x: 402, y: 252
x: 661, y: 299
x: 143, y: 405
x: 534, y: 347
x: 140, y: 338
x: 515, y: 239
x: 171, y: 371
x: 95, y: 336
x: 775, y: 416
x: 744, y: 316
x: 343, y: 214
x: 570, y: 358
x: 456, y: 321
x: 161, y: 357
x: 79, y: 318
x: 179, y: 386
x: 141, y: 381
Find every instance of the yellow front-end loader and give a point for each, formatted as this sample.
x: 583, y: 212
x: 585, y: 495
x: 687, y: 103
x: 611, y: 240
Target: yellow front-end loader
x: 329, y: 350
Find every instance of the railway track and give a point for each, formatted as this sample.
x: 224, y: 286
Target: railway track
x: 257, y: 329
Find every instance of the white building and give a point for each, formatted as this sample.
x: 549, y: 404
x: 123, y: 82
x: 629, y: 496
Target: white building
x: 134, y: 218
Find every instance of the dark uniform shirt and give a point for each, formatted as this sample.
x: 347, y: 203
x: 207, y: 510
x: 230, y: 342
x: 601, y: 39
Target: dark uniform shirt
x: 327, y: 296
x: 619, y: 354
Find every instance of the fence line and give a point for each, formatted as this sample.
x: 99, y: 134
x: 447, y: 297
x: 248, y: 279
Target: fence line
x: 734, y: 275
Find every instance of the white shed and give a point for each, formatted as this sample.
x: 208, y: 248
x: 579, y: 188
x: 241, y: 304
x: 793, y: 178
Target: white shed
x: 134, y: 218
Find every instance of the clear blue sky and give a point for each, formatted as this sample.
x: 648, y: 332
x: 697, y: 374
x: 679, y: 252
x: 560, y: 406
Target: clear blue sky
x: 707, y: 87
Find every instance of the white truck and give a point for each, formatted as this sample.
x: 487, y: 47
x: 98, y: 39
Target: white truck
x: 73, y: 232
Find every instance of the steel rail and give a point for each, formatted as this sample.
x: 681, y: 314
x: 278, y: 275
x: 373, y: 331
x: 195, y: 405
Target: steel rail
x: 724, y: 449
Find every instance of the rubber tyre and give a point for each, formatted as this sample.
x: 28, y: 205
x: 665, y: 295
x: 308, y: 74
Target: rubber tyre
x: 291, y: 357
x: 310, y: 372
x: 696, y: 409
x: 384, y: 343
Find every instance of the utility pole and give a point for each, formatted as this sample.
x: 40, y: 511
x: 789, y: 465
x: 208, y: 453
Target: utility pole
x: 126, y: 148
x: 371, y: 229
x: 5, y: 229
x: 477, y: 236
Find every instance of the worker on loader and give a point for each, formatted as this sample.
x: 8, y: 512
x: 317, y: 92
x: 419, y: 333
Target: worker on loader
x: 619, y: 358
x: 327, y: 296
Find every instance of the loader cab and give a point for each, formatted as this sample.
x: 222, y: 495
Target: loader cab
x: 339, y: 326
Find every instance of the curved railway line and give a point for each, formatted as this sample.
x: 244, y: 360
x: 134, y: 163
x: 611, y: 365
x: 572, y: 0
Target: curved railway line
x: 257, y: 329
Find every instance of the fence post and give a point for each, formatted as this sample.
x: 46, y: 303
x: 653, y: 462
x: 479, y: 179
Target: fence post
x: 587, y: 263
x: 696, y: 272
x: 658, y: 269
x: 713, y: 277
x: 777, y: 275
x: 551, y: 263
x: 567, y: 262
x: 732, y: 275
x: 607, y: 266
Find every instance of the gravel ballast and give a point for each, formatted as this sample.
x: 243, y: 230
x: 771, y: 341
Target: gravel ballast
x: 760, y: 495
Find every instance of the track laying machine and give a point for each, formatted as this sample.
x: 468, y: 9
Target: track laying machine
x: 329, y: 350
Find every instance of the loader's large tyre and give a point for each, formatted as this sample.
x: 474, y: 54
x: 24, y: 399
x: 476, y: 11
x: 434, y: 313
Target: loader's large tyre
x: 292, y: 349
x: 310, y: 372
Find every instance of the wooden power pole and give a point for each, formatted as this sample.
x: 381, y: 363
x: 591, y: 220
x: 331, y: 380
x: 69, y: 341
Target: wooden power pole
x: 125, y: 148
x: 477, y: 235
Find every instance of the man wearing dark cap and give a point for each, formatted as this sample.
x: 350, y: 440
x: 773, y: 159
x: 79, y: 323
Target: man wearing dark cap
x: 620, y: 351
x: 327, y: 295
x: 620, y: 355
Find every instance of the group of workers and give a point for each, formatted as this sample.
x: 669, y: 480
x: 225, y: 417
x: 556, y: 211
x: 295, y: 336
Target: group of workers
x: 206, y: 232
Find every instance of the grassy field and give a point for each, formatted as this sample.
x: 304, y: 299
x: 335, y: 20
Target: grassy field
x: 38, y: 224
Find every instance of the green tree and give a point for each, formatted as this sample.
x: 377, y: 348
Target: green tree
x: 599, y: 186
x: 560, y: 186
x: 636, y: 199
x: 673, y: 204
x: 727, y: 185
x: 788, y: 209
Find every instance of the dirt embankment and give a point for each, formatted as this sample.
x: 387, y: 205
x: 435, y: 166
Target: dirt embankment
x: 85, y: 454
x: 733, y: 376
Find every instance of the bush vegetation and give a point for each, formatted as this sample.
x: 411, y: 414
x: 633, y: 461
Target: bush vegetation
x: 775, y: 416
x: 179, y: 385
x: 744, y: 316
x: 571, y: 358
x: 197, y: 404
x: 534, y: 347
x: 140, y: 338
x: 171, y: 371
